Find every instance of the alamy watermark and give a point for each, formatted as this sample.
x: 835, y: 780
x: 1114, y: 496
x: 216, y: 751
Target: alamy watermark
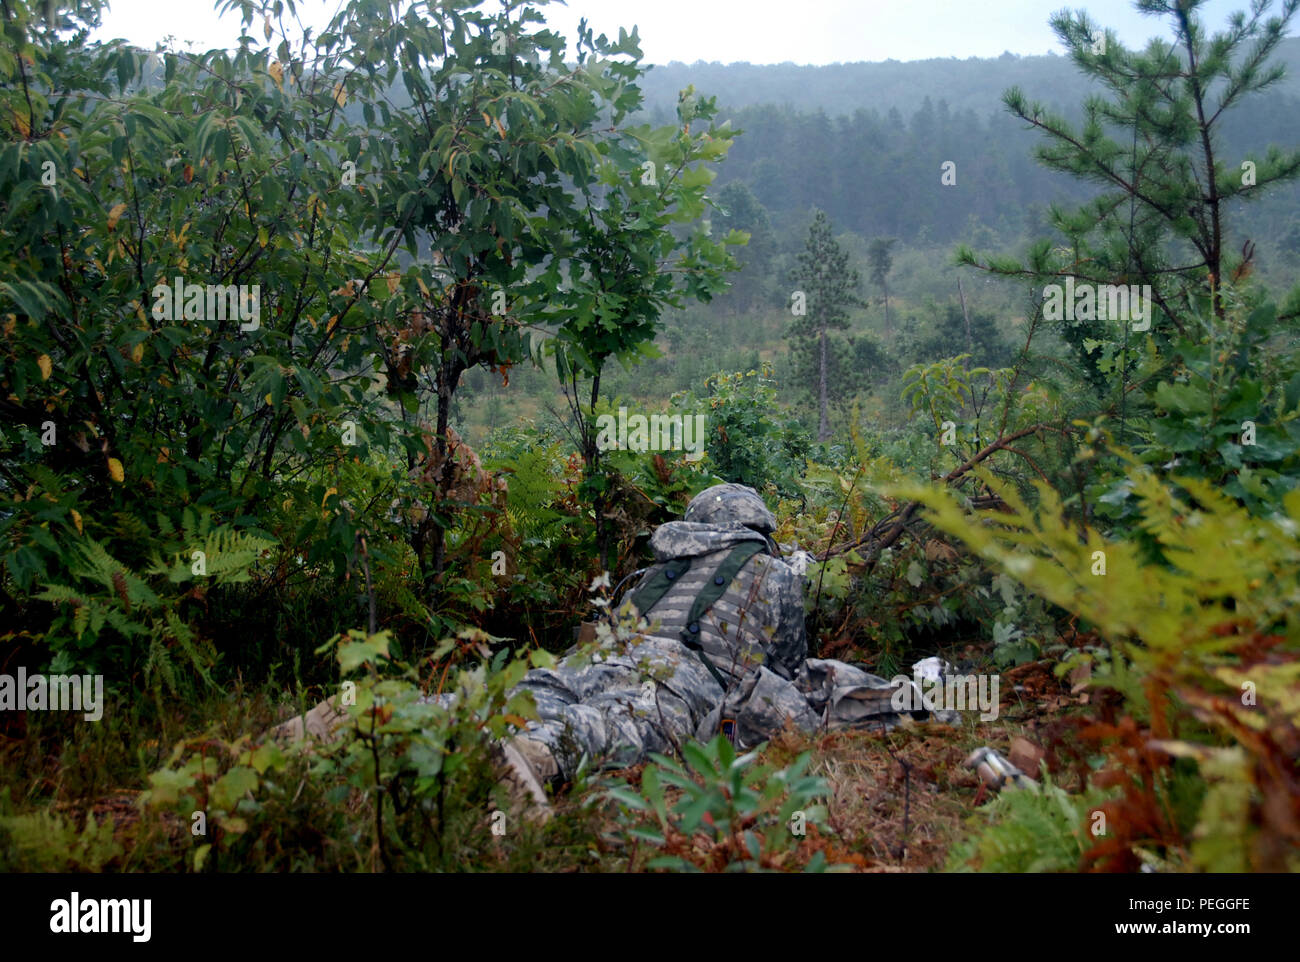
x: 208, y: 302
x: 1101, y: 302
x: 36, y: 692
x: 658, y: 432
x: 925, y: 690
x: 75, y: 915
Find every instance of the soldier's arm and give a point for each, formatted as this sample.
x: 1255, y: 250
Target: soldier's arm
x: 789, y: 645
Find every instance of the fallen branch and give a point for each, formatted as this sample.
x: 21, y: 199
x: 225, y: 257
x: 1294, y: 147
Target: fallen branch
x: 906, y: 515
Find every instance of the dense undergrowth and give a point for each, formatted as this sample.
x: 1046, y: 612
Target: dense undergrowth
x: 229, y: 525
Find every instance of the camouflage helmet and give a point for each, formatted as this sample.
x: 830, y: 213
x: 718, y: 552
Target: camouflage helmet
x: 731, y: 502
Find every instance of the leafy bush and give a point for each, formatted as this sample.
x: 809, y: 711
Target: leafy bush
x: 1230, y: 414
x: 333, y: 278
x: 729, y: 816
x: 749, y: 441
x: 214, y: 169
x: 411, y: 773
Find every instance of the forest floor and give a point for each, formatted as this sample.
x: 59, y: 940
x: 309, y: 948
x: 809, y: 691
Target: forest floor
x: 899, y: 800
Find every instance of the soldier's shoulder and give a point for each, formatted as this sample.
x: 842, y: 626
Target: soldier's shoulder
x: 776, y: 570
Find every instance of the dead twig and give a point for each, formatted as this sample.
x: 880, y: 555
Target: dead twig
x: 906, y: 766
x: 896, y: 530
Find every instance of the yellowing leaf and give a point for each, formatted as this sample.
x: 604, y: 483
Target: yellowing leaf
x: 327, y: 496
x: 115, y: 470
x: 266, y: 26
x: 268, y: 400
x: 137, y: 352
x: 76, y: 519
x: 277, y: 73
x: 46, y: 366
x: 115, y: 214
x: 340, y: 94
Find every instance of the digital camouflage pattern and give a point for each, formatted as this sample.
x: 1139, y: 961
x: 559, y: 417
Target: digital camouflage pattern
x: 646, y: 691
x: 652, y: 692
x: 731, y: 503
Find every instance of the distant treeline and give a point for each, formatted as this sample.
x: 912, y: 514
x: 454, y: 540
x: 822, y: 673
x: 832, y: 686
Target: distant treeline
x: 866, y: 142
x: 880, y: 175
x: 971, y: 84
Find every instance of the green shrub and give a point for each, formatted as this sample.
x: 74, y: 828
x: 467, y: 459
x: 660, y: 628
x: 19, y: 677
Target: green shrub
x: 729, y: 816
x: 749, y: 441
x: 409, y: 785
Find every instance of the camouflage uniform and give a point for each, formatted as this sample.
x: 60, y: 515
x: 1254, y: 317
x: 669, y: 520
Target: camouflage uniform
x: 657, y: 691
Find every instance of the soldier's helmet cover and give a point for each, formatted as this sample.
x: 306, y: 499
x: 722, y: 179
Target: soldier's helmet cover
x: 731, y: 502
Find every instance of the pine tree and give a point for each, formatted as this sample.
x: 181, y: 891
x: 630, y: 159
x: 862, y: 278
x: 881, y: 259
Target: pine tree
x: 880, y: 255
x: 742, y: 211
x: 1152, y: 146
x: 829, y: 287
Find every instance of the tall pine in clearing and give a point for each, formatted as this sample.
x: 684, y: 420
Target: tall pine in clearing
x: 880, y: 256
x: 829, y: 287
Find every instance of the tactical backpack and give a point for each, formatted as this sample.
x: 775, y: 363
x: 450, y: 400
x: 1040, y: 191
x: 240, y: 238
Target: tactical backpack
x: 659, y: 581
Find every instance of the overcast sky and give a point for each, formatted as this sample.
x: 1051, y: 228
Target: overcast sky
x: 757, y: 31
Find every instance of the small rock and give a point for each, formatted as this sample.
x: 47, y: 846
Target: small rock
x: 1025, y: 755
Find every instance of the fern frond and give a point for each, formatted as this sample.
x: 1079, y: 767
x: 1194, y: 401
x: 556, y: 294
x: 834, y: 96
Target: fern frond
x: 189, y: 643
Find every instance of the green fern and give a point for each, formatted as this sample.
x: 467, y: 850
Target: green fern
x: 97, y: 565
x: 1047, y: 830
x: 228, y: 554
x: 1205, y: 641
x: 535, y: 485
x: 106, y: 593
x: 400, y: 595
x: 45, y: 841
